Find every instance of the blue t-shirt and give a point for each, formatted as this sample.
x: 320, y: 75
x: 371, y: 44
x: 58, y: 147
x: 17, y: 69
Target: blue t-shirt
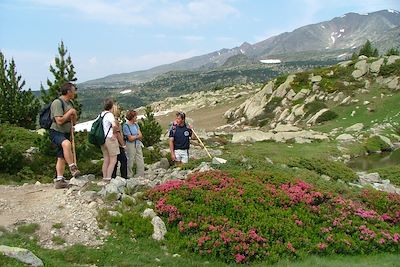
x: 181, y: 135
x: 130, y: 129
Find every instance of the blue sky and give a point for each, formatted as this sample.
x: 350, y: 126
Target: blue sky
x: 106, y: 37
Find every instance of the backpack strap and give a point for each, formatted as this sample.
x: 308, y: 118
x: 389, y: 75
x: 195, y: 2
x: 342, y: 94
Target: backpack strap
x: 109, y: 129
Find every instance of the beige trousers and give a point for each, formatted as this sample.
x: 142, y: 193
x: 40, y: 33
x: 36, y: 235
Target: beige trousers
x: 135, y: 154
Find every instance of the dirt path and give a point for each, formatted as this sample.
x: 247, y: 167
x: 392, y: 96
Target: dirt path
x: 46, y: 206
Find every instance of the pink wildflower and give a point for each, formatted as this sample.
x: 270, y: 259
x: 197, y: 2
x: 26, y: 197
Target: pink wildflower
x: 239, y: 258
x: 290, y: 247
x: 322, y: 246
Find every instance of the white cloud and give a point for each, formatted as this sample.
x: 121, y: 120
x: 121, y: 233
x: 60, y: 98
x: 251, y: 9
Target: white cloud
x: 193, y: 38
x: 144, y: 12
x: 93, y: 61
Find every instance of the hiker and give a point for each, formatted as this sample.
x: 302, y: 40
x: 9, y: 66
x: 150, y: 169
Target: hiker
x: 179, y: 139
x: 110, y: 148
x: 121, y: 158
x: 133, y: 137
x: 63, y: 114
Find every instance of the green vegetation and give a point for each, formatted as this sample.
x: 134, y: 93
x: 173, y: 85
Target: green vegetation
x: 367, y: 50
x: 150, y: 128
x: 392, y: 69
x: 63, y: 72
x: 39, y: 166
x: 17, y: 106
x: 391, y: 173
x: 393, y: 52
x: 301, y: 81
x: 245, y: 218
x: 57, y: 240
x: 28, y: 228
x: 375, y: 144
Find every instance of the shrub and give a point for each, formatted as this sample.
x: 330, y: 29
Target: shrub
x: 150, y: 128
x: 327, y: 116
x: 152, y: 155
x: 245, y: 219
x: 314, y: 107
x: 11, y: 160
x: 389, y: 70
x: 375, y: 144
x: 391, y: 173
x: 335, y: 170
x: 280, y: 79
x: 301, y: 80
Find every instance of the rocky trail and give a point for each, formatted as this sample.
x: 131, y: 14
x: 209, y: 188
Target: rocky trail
x: 58, y: 212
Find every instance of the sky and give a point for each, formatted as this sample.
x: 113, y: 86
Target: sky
x: 105, y: 37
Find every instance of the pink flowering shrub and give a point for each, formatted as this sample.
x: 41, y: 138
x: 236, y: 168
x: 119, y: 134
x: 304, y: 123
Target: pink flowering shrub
x: 247, y: 219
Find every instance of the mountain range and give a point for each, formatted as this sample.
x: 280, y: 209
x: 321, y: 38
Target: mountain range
x: 335, y: 39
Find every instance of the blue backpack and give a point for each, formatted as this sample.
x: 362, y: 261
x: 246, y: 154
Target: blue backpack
x: 45, y: 119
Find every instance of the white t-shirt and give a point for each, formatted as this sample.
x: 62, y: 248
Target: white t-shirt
x: 108, y: 120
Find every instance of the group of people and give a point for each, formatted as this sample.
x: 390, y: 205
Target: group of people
x: 122, y: 142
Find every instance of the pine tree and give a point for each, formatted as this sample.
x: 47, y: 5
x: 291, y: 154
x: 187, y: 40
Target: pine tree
x: 17, y: 106
x: 150, y: 128
x: 63, y: 72
x: 368, y: 50
x: 393, y: 52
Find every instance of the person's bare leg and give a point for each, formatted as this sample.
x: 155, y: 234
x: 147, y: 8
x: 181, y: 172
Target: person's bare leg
x: 66, y: 145
x: 104, y: 168
x: 111, y: 165
x: 60, y: 166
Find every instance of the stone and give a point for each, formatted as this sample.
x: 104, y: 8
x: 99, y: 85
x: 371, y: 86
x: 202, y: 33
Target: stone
x: 218, y: 161
x: 355, y: 128
x: 376, y: 65
x: 345, y: 138
x: 149, y: 213
x: 22, y: 255
x: 159, y: 229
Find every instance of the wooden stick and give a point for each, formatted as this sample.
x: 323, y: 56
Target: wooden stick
x: 73, y: 142
x: 201, y: 142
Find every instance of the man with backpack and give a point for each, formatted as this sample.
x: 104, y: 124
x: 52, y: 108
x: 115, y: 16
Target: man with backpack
x: 179, y: 139
x: 63, y: 114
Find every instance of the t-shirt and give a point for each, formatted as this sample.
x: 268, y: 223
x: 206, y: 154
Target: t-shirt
x: 181, y: 136
x: 130, y: 129
x: 108, y: 119
x: 56, y: 110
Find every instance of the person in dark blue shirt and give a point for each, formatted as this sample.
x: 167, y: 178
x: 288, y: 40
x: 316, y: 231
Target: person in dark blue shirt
x: 179, y: 139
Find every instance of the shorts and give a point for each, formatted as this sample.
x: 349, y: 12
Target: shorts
x: 110, y: 147
x: 182, y: 155
x: 57, y: 138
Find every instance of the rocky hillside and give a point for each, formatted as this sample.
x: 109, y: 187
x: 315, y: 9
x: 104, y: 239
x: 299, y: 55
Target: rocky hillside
x: 329, y: 39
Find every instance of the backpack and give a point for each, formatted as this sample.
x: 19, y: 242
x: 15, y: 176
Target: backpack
x: 96, y: 135
x: 45, y: 119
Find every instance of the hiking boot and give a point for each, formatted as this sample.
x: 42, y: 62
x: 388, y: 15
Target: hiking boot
x: 74, y: 171
x: 60, y: 184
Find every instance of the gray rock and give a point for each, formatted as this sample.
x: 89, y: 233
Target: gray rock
x: 218, y: 161
x: 159, y: 229
x: 345, y: 138
x: 376, y: 65
x: 355, y: 128
x: 392, y: 59
x: 149, y: 213
x: 369, y: 178
x: 22, y: 255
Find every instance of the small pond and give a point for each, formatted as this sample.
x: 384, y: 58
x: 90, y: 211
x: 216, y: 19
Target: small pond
x: 366, y: 163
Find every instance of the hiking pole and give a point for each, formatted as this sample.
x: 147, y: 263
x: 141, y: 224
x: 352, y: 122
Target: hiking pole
x: 73, y: 142
x: 201, y: 142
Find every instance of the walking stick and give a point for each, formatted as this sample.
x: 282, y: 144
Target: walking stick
x: 73, y: 142
x: 201, y: 142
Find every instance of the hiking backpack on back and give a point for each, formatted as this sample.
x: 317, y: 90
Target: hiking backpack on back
x: 96, y: 135
x: 45, y: 119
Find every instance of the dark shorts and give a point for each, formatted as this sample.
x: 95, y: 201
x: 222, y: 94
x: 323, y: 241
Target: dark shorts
x: 57, y: 138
